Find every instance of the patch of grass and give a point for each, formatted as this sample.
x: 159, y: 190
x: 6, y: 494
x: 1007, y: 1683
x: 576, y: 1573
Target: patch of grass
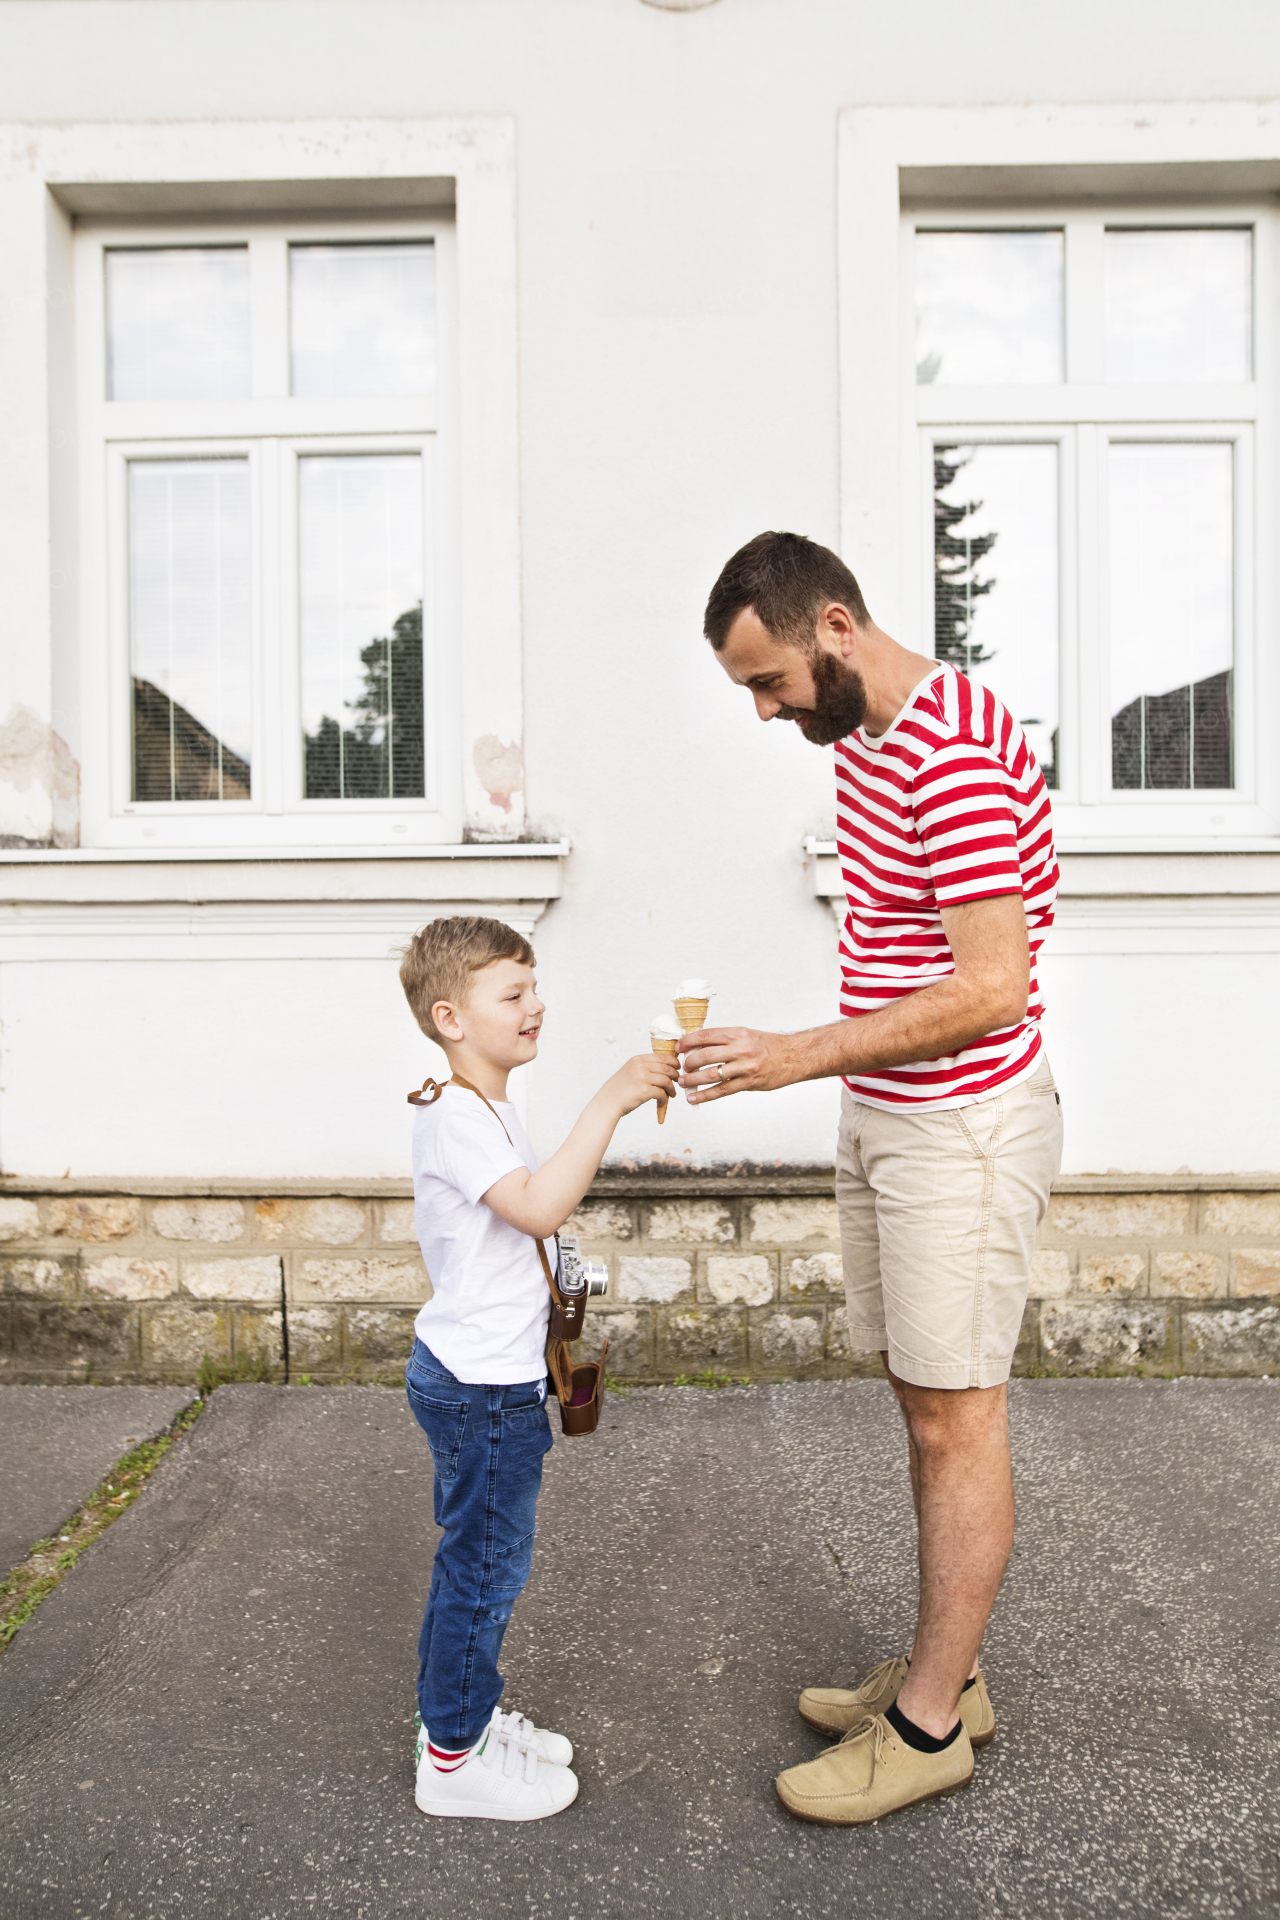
x: 49, y: 1561
x: 252, y: 1369
x: 1039, y: 1373
x: 711, y: 1380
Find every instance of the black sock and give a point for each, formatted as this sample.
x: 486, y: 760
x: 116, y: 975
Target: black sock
x: 916, y: 1736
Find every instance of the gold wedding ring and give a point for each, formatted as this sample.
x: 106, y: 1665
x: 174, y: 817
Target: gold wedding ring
x: 720, y: 1067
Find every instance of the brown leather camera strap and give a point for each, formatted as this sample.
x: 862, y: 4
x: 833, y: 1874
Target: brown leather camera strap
x: 423, y: 1098
x: 560, y: 1367
x: 573, y: 1419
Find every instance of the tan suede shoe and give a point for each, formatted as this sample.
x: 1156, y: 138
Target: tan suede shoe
x: 978, y: 1714
x: 835, y: 1709
x: 871, y: 1773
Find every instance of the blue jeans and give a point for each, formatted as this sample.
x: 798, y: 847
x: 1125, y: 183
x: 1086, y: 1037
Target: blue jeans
x: 488, y: 1445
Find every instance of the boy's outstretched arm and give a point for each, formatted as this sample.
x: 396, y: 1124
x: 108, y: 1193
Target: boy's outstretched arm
x: 540, y: 1203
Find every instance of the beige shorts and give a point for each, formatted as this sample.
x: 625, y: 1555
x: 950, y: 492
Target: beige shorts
x: 938, y: 1219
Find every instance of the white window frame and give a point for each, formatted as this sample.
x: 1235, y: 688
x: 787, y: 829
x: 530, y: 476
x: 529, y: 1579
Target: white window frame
x: 1181, y: 163
x: 1085, y: 414
x: 274, y: 429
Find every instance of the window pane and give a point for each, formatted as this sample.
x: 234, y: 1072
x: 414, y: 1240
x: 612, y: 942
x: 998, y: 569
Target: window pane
x: 1171, y: 615
x: 363, y: 319
x: 177, y: 323
x: 361, y: 558
x: 191, y: 637
x: 995, y: 556
x: 988, y: 308
x: 1179, y: 304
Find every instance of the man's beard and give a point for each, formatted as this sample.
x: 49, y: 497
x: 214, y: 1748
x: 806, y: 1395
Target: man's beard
x: 839, y: 704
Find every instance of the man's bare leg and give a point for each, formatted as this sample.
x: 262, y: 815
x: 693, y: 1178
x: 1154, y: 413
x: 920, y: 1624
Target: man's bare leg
x: 913, y: 1463
x: 962, y: 1484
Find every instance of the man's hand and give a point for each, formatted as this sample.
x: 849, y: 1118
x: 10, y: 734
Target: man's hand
x: 720, y: 1060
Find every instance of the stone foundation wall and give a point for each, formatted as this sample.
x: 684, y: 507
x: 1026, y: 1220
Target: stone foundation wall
x: 737, y: 1276
x: 132, y: 1288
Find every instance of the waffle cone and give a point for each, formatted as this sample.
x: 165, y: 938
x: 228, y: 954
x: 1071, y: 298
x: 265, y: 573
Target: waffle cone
x: 661, y: 1043
x: 691, y: 1014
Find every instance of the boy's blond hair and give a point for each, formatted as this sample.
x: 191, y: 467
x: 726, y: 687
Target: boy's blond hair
x: 442, y: 956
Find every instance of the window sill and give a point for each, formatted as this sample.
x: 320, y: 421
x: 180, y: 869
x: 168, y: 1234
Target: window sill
x: 1123, y: 868
x: 493, y: 873
x: 109, y: 856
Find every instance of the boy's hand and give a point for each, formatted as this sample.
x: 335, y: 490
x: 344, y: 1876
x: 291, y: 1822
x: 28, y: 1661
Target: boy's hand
x: 649, y: 1076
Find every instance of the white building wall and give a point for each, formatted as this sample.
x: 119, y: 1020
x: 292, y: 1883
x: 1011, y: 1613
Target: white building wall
x: 679, y: 314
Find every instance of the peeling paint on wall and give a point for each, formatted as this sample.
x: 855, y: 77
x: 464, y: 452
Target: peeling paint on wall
x: 499, y: 769
x: 39, y: 784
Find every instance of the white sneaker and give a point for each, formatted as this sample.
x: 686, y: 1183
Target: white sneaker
x: 547, y: 1745
x: 501, y: 1779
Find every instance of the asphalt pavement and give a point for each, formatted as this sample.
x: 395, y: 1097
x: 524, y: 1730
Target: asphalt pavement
x: 213, y: 1713
x: 57, y: 1443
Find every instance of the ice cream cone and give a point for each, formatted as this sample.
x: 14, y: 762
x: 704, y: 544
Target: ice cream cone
x: 691, y: 1014
x: 663, y: 1043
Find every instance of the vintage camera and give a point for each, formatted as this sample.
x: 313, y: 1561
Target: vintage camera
x: 578, y: 1275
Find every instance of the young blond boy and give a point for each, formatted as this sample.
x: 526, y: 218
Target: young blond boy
x: 476, y: 1379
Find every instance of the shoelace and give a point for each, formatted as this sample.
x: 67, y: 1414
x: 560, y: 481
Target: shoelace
x: 877, y: 1728
x: 877, y: 1676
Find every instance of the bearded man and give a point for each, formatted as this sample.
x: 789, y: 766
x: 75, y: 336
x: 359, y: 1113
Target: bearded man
x: 951, y: 1127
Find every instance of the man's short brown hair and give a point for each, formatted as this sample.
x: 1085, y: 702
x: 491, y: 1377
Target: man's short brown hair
x: 787, y: 580
x: 441, y: 958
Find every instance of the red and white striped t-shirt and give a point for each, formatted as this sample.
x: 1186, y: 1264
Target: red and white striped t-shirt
x: 949, y: 805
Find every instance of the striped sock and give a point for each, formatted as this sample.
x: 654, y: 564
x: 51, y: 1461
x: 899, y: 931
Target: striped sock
x: 449, y: 1759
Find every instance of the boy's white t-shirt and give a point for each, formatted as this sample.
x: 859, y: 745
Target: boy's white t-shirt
x: 487, y: 1315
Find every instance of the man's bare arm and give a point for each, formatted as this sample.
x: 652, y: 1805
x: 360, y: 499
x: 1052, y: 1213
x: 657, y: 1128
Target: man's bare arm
x: 987, y: 991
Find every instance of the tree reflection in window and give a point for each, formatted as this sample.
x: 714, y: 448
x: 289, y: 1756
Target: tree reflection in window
x: 377, y: 754
x: 958, y: 585
x: 1001, y: 628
